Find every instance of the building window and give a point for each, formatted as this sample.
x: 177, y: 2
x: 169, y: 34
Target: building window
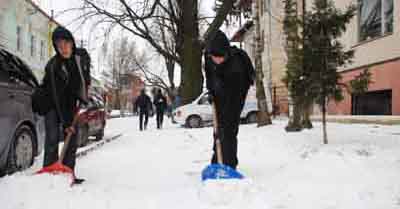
x: 262, y: 42
x: 262, y: 8
x: 19, y: 38
x: 376, y: 18
x: 33, y: 45
x: 267, y: 5
x: 388, y: 8
x: 42, y: 50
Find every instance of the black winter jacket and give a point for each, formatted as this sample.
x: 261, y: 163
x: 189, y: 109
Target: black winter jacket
x: 228, y: 82
x: 160, y: 102
x: 143, y: 102
x: 69, y: 85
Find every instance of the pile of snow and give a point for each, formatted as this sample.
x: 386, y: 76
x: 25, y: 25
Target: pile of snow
x: 156, y: 169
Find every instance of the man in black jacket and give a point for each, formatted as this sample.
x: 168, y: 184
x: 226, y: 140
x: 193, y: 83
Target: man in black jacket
x: 143, y: 103
x: 64, y: 81
x: 161, y: 103
x: 229, y: 74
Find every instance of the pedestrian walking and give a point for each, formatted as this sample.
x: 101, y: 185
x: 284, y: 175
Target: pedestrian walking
x: 161, y: 104
x: 144, y: 106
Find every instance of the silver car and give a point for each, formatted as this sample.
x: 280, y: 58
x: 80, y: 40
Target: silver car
x: 20, y: 140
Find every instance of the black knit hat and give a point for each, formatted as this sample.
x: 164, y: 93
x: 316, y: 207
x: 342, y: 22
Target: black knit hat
x: 219, y: 45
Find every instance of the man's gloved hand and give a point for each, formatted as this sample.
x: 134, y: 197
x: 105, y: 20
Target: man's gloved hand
x: 70, y: 130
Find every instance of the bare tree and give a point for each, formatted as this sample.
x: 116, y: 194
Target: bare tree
x: 263, y: 117
x: 153, y: 78
x: 179, y: 22
x: 121, y: 61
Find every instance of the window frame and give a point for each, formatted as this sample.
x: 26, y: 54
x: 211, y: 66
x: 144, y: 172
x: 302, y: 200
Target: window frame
x: 42, y: 50
x: 19, y: 38
x: 33, y: 48
x: 382, y: 22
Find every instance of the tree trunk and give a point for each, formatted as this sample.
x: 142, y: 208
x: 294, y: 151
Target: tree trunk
x: 306, y: 121
x: 324, y: 122
x: 191, y: 77
x: 170, y: 64
x: 117, y: 103
x: 294, y: 124
x: 263, y: 117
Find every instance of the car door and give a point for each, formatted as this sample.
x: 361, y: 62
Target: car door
x: 205, y: 108
x: 8, y: 117
x: 96, y: 116
x: 92, y: 116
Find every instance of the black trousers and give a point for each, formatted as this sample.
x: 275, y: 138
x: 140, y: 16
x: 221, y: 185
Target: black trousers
x: 228, y: 116
x: 229, y: 145
x: 160, y: 118
x: 55, y: 134
x: 144, y: 114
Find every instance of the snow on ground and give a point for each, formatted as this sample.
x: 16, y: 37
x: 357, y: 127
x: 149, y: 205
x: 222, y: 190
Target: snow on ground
x: 157, y: 169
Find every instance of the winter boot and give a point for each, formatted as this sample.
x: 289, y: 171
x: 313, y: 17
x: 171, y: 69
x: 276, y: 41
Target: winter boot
x: 78, y: 181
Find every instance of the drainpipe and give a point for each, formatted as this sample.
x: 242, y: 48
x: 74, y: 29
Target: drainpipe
x: 269, y: 47
x: 49, y: 41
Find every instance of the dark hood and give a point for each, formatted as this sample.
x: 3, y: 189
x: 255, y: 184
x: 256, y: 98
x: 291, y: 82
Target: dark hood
x: 63, y: 33
x: 219, y: 45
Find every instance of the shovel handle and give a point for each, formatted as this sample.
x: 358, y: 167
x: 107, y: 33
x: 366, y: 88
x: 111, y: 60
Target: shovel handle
x: 218, y: 146
x: 67, y: 138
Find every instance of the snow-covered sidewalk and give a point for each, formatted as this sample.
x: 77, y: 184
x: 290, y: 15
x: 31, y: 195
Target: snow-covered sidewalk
x: 157, y: 169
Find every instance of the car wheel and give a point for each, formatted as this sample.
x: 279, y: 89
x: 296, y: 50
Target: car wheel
x: 251, y: 117
x: 21, y: 152
x: 83, y: 135
x: 99, y: 136
x: 194, y: 121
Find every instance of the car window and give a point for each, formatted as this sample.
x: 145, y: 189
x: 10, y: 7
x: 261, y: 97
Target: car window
x: 98, y: 100
x: 96, y: 103
x: 92, y: 103
x: 4, y: 77
x: 17, y: 69
x: 204, y: 100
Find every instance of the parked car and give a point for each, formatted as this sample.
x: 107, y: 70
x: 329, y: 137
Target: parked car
x: 94, y: 121
x: 20, y: 139
x: 200, y: 112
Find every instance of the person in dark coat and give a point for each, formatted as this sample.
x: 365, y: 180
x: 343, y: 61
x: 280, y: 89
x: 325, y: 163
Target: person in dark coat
x: 161, y: 104
x: 229, y: 76
x: 65, y: 82
x: 144, y: 106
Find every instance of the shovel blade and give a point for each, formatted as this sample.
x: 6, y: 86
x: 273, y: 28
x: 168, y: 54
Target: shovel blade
x: 220, y: 171
x: 56, y: 168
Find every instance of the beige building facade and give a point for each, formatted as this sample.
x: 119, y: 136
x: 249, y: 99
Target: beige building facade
x: 25, y: 30
x: 374, y: 35
x: 273, y: 50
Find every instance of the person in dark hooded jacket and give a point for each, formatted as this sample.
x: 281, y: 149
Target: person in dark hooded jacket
x: 161, y: 104
x: 229, y: 74
x: 144, y: 105
x: 65, y: 82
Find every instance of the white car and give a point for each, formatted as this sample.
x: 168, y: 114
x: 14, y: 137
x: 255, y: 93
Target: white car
x: 200, y: 112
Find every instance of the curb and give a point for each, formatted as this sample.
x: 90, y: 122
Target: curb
x: 96, y: 146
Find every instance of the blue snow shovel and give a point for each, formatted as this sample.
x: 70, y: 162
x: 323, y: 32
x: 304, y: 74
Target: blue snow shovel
x: 218, y: 170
